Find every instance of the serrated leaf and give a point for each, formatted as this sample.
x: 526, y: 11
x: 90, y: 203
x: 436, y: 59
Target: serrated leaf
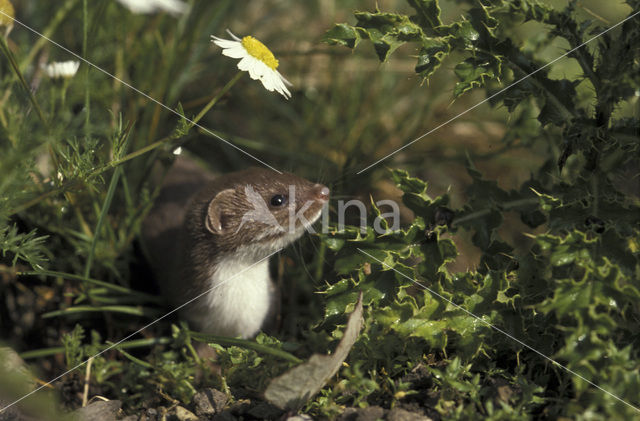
x: 427, y: 12
x: 374, y: 289
x: 465, y: 33
x: 475, y: 72
x: 559, y: 102
x: 354, y: 260
x: 387, y: 31
x: 432, y: 331
x: 436, y: 255
x: 432, y: 52
x: 342, y: 34
x: 568, y: 298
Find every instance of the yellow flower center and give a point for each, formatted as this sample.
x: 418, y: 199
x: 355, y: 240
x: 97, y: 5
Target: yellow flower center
x: 7, y: 9
x: 259, y: 51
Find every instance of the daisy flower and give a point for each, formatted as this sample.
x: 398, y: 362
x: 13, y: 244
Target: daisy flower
x: 175, y: 7
x: 256, y: 59
x: 62, y: 69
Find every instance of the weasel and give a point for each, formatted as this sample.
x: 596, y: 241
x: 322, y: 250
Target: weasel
x: 216, y: 234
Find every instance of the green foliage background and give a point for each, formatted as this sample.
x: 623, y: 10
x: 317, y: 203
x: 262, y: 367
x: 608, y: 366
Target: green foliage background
x: 530, y: 223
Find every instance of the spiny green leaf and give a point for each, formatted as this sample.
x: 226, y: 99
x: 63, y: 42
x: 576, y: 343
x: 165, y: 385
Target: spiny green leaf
x: 432, y: 52
x: 475, y: 72
x: 387, y: 31
x: 427, y: 12
x: 342, y: 34
x: 558, y: 104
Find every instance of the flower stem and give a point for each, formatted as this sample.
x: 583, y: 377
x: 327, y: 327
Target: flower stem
x: 87, y: 91
x: 14, y: 65
x: 216, y: 98
x: 164, y: 140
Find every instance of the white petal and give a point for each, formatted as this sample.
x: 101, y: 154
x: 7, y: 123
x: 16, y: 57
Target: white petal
x: 280, y: 85
x: 252, y: 65
x: 273, y: 81
x: 244, y: 64
x: 224, y: 43
x: 172, y: 6
x: 283, y: 89
x: 233, y: 36
x: 237, y: 51
x: 247, y: 64
x: 277, y: 82
x: 286, y: 82
x: 137, y: 7
x: 149, y: 6
x: 267, y: 83
x: 62, y: 69
x: 255, y: 71
x: 262, y: 69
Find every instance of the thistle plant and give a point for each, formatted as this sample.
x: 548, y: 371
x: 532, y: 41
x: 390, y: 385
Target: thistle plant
x: 571, y: 293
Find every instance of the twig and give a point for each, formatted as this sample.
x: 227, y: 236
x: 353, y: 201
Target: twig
x: 87, y: 377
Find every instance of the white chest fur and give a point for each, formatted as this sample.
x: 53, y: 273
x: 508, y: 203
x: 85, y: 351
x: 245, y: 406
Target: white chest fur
x: 240, y: 298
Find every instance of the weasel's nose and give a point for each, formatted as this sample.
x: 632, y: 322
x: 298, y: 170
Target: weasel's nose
x: 322, y: 192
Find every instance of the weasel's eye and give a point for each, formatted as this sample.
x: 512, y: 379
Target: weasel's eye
x: 278, y: 200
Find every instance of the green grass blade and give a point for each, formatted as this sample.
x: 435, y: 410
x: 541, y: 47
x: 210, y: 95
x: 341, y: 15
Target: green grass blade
x: 136, y: 343
x: 133, y: 359
x: 113, y: 287
x: 132, y: 311
x: 226, y: 341
x: 103, y: 213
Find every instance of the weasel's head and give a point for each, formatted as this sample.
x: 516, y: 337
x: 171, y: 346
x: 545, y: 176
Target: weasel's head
x: 261, y: 208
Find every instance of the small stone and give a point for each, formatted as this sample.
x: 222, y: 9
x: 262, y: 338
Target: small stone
x: 129, y: 418
x: 183, y: 414
x: 300, y: 417
x: 209, y: 402
x: 151, y: 414
x: 349, y: 414
x: 399, y: 414
x: 371, y: 413
x: 100, y: 411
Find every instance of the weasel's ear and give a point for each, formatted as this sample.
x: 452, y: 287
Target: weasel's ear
x: 215, y: 211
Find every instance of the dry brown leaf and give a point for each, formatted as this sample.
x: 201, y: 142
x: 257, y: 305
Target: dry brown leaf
x: 293, y: 388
